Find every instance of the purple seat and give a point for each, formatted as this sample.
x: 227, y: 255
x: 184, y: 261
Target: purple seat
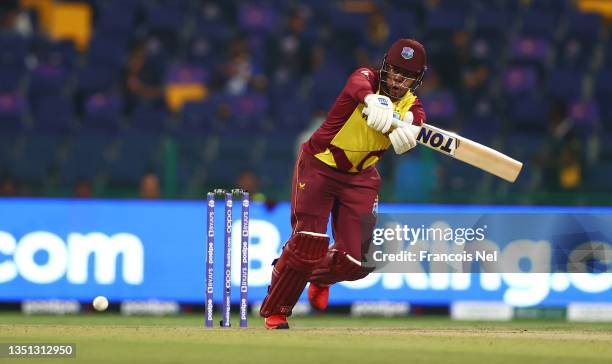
x: 47, y: 79
x: 520, y: 79
x: 585, y: 114
x: 257, y: 17
x: 534, y: 49
x: 12, y: 111
x: 441, y: 107
x: 184, y: 73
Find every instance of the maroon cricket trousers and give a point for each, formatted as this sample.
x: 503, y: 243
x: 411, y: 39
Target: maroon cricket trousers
x: 351, y: 198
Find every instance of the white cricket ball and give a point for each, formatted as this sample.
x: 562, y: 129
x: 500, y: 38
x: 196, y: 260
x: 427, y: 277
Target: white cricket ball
x: 100, y: 303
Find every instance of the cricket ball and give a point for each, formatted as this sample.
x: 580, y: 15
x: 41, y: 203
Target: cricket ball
x: 100, y: 303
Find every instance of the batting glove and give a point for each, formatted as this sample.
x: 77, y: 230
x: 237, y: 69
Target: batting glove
x: 402, y: 138
x: 380, y: 112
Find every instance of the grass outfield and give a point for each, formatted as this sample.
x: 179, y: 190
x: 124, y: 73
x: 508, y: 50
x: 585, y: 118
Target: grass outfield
x: 110, y: 338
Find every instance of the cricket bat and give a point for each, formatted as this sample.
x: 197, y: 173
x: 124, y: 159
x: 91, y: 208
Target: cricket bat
x: 465, y: 150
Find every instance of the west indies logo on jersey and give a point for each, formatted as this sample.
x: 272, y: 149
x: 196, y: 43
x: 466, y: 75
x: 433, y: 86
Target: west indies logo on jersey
x: 407, y: 52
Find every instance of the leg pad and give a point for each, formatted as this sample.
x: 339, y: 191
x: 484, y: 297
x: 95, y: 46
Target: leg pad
x: 302, y: 253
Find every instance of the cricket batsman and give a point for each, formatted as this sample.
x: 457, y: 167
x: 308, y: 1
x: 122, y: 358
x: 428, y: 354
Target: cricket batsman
x: 335, y: 173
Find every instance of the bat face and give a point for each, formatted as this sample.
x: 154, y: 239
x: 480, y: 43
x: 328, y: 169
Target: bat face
x: 438, y: 139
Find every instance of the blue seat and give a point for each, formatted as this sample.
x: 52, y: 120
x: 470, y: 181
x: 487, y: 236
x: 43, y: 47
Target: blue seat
x: 491, y: 22
x: 603, y: 84
x: 197, y: 117
x: 165, y: 18
x: 37, y: 158
x: 54, y: 113
x: 346, y: 20
x: 328, y: 80
x: 103, y: 111
x: 584, y: 26
x: 224, y: 172
x: 139, y: 153
x: 445, y: 20
x: 13, y: 54
x: 8, y: 142
x: 574, y: 53
x: 117, y: 18
x: 565, y: 83
x: 96, y: 77
x: 59, y: 53
x: 289, y: 109
x: 528, y: 113
x: 539, y: 24
x: 402, y: 23
x: 107, y: 50
x: 86, y: 157
x: 149, y: 118
x: 13, y: 49
x: 235, y: 146
x: 11, y: 77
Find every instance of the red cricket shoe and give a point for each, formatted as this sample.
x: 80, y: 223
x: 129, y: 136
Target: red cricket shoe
x: 276, y: 322
x: 318, y: 296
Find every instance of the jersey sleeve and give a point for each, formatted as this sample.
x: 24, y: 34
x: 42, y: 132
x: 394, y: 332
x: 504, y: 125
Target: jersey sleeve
x: 360, y: 84
x: 418, y: 112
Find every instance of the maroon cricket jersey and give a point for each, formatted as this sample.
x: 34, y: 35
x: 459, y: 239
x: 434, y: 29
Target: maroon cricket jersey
x: 344, y: 141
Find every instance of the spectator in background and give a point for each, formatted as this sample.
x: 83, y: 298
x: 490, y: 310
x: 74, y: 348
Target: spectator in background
x: 144, y: 77
x: 149, y: 186
x: 83, y: 189
x: 561, y: 160
x: 8, y: 187
x: 239, y: 69
x: 290, y: 53
x: 12, y: 18
x: 249, y: 181
x: 447, y: 58
x: 375, y: 41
